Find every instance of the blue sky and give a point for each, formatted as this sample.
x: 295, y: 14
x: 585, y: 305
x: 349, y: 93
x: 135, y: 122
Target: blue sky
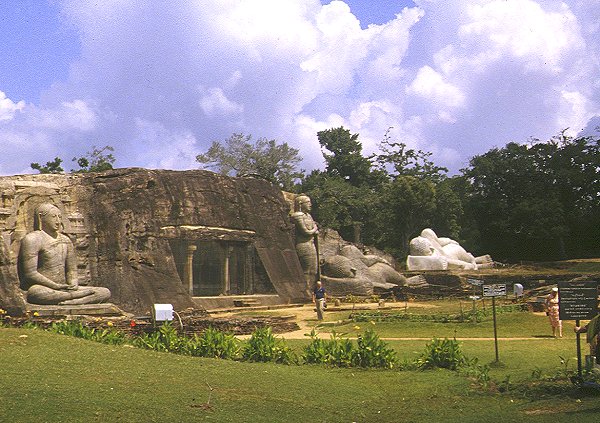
x: 160, y: 84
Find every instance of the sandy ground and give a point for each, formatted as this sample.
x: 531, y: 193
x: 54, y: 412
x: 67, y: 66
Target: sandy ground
x: 305, y: 317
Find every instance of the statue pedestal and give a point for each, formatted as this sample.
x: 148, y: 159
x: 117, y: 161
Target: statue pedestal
x: 106, y: 309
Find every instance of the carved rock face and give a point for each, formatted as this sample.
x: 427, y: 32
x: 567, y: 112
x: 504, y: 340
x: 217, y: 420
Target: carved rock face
x: 115, y: 220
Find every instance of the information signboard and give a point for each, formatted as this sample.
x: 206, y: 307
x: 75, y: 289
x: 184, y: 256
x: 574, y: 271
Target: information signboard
x: 494, y: 290
x: 578, y: 300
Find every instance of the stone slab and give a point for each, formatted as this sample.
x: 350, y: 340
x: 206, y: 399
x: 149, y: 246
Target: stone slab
x: 107, y: 309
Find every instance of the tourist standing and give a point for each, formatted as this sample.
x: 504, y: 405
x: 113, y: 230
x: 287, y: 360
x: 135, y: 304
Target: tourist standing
x: 552, y: 310
x: 318, y: 298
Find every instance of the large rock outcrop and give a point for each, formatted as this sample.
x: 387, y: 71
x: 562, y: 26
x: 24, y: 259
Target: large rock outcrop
x: 126, y: 225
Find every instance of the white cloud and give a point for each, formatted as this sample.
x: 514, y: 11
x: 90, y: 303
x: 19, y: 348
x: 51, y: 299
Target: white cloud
x: 575, y: 111
x: 522, y: 29
x: 163, y: 148
x: 69, y: 115
x: 8, y: 108
x: 431, y: 85
x: 215, y: 103
x: 455, y: 78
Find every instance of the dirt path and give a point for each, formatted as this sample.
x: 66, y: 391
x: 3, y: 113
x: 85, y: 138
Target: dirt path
x: 305, y: 317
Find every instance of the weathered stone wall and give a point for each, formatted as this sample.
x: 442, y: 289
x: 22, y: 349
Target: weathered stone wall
x: 117, y: 222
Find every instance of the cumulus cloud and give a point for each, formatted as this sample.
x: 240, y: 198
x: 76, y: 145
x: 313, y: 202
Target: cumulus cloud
x: 522, y: 29
x: 8, y: 107
x: 454, y: 78
x: 69, y: 115
x: 164, y: 148
x: 431, y: 85
x: 215, y: 103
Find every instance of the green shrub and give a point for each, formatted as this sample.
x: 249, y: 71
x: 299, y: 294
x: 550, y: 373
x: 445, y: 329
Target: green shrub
x: 165, y: 339
x: 316, y: 351
x: 444, y: 353
x: 213, y: 343
x: 78, y: 329
x: 264, y: 347
x: 337, y: 351
x: 372, y: 352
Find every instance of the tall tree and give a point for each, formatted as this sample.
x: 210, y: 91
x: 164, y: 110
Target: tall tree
x: 396, y: 159
x: 240, y: 156
x: 343, y: 156
x: 339, y: 205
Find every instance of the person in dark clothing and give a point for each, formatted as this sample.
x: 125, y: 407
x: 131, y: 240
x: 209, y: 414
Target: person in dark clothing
x: 319, y: 296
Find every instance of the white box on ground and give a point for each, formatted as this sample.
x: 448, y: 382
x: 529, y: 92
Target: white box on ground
x: 162, y: 312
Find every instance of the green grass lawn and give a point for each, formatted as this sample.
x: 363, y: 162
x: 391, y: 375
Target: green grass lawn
x: 52, y: 378
x: 518, y: 324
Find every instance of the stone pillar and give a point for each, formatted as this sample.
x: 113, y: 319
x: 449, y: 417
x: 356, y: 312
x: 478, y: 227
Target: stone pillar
x: 249, y: 270
x: 188, y: 271
x: 226, y: 275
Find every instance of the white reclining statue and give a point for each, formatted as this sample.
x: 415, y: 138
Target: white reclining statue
x: 428, y: 252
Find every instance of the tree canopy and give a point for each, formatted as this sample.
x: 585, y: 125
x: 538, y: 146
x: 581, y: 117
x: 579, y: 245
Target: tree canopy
x: 53, y: 166
x: 96, y: 160
x: 342, y: 152
x: 240, y: 156
x: 391, y: 196
x: 539, y: 200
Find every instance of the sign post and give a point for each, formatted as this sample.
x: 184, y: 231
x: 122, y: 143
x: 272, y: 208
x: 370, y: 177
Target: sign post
x: 495, y: 290
x: 475, y: 283
x: 578, y: 301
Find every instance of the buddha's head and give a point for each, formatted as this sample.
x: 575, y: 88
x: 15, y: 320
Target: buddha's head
x: 47, y: 218
x: 420, y: 246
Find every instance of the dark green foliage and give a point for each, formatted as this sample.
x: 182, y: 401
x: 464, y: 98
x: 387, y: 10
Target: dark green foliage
x: 405, y: 205
x: 97, y: 160
x: 339, y: 205
x: 343, y: 156
x: 165, y: 339
x: 53, y: 166
x: 443, y: 353
x: 239, y: 156
x: 396, y: 160
x: 337, y: 351
x: 264, y: 347
x: 370, y: 351
x: 213, y: 343
x: 390, y: 197
x: 538, y: 201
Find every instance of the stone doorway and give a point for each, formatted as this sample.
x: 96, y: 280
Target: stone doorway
x: 220, y: 268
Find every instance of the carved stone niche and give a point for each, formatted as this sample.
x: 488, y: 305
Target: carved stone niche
x: 215, y: 261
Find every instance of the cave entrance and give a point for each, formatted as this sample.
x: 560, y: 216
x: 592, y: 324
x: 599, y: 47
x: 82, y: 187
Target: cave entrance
x: 218, y: 261
x: 210, y: 268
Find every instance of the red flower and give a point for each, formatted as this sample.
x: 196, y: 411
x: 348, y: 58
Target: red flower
x: 132, y: 323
